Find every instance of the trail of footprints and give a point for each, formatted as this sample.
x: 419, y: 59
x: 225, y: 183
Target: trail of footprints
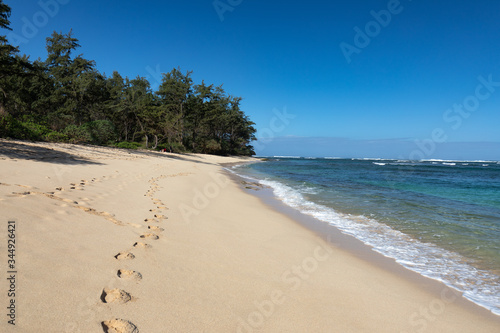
x: 78, y: 186
x: 114, y: 296
x: 118, y: 296
x: 68, y: 202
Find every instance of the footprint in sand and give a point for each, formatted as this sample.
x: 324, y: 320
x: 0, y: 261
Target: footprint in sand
x: 124, y: 256
x: 115, y: 296
x: 155, y: 228
x: 88, y: 210
x: 150, y: 236
x: 115, y: 221
x: 119, y: 326
x: 106, y: 215
x: 25, y: 186
x: 151, y: 220
x: 132, y: 275
x: 141, y: 245
x: 161, y: 217
x: 19, y: 194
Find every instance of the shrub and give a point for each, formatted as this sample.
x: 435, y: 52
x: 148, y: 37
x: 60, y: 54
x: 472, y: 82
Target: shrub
x: 177, y: 147
x: 101, y: 131
x: 77, y: 134
x: 10, y: 128
x: 162, y: 146
x: 56, y: 137
x: 24, y: 130
x: 128, y: 145
x: 212, y: 147
x: 34, y: 130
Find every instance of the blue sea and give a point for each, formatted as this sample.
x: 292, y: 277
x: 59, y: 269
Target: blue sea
x: 438, y: 218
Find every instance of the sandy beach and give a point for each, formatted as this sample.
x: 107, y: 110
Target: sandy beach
x: 112, y: 240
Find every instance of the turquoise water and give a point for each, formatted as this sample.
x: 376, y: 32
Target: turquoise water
x: 439, y: 218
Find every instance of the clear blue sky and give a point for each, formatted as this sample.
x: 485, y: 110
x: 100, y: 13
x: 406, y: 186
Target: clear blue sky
x: 287, y: 56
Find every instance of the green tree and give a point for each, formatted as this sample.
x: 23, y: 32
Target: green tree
x: 199, y: 105
x: 240, y: 130
x: 5, y: 12
x: 117, y: 107
x: 72, y: 79
x: 65, y: 98
x: 10, y: 64
x: 216, y: 124
x: 138, y: 100
x: 174, y: 93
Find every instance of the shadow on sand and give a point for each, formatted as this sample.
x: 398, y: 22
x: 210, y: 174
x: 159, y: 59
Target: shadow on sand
x: 42, y: 152
x: 25, y: 151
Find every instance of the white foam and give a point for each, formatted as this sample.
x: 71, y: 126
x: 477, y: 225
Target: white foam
x: 479, y: 286
x: 371, y: 159
x: 239, y: 174
x: 470, y: 161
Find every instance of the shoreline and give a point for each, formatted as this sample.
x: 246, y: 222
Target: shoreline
x: 164, y: 242
x: 352, y: 245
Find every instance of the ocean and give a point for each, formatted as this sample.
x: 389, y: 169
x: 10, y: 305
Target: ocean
x: 438, y: 218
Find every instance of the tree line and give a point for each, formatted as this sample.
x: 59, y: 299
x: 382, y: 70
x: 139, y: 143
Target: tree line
x: 66, y: 99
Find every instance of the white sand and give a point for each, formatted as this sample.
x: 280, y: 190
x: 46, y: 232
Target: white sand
x: 209, y: 256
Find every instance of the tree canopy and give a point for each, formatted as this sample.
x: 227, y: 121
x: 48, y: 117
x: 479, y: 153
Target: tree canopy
x: 66, y: 99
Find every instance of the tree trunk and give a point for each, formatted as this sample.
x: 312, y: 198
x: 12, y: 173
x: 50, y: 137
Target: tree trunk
x: 181, y: 125
x: 126, y: 131
x: 194, y: 141
x: 156, y: 142
x: 3, y: 111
